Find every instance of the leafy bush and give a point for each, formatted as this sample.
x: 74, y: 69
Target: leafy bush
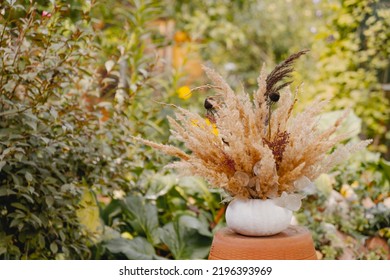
x: 65, y: 123
x: 171, y: 219
x: 351, y: 207
x: 43, y: 135
x: 59, y: 139
x: 237, y: 36
x: 351, y: 51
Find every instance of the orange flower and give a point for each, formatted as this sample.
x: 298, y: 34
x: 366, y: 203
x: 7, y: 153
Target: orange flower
x: 181, y: 36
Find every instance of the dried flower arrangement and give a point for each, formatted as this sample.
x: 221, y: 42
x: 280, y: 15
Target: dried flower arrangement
x: 252, y: 150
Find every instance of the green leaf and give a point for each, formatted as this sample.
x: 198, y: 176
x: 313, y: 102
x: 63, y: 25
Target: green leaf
x: 28, y: 177
x: 29, y: 198
x: 54, y: 247
x: 143, y: 217
x: 53, y: 112
x: 187, y: 238
x: 352, y: 124
x: 324, y: 184
x: 194, y: 223
x: 386, y: 167
x: 136, y: 249
x: 88, y: 213
x: 193, y: 185
x: 49, y: 200
x: 2, y: 163
x: 3, y: 250
x: 7, y: 151
x: 19, y: 156
x: 36, y: 219
x: 29, y: 76
x: 160, y: 185
x: 4, y: 191
x: 16, y: 222
x: 41, y: 241
x: 16, y: 179
x: 111, y: 211
x: 20, y: 206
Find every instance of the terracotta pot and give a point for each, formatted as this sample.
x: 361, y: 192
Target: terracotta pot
x: 294, y: 243
x: 256, y: 217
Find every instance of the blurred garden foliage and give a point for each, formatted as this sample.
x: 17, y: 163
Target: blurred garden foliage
x: 78, y: 78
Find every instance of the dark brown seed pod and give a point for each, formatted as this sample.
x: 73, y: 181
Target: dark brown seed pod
x: 274, y: 96
x: 208, y: 105
x: 211, y: 106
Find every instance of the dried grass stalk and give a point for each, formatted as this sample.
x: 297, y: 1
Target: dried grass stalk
x: 254, y: 155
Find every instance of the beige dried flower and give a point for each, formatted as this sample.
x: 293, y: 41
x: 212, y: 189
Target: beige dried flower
x: 254, y: 155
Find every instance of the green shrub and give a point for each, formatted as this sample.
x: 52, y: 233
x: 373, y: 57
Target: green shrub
x: 351, y: 52
x: 55, y: 146
x: 238, y: 36
x: 171, y: 219
x: 44, y: 134
x: 351, y: 205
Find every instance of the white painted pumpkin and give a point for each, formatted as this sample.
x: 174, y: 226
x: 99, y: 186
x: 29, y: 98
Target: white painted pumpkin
x: 256, y: 217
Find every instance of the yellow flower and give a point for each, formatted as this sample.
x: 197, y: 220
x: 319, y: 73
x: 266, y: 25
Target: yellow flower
x: 208, y: 123
x: 348, y: 192
x: 184, y: 92
x: 126, y: 235
x: 215, y: 129
x: 355, y: 184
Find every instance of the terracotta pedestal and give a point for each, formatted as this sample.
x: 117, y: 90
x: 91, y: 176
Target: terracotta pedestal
x: 294, y: 243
